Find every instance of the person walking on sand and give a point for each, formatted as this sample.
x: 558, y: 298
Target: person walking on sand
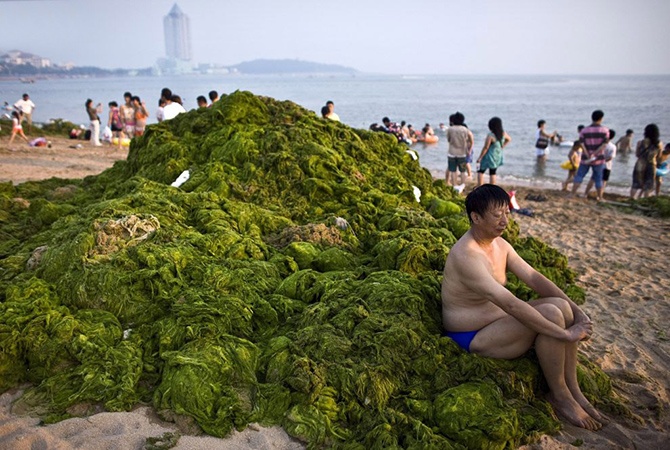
x: 17, y: 128
x: 491, y: 156
x: 483, y: 317
x: 94, y: 118
x: 648, y: 153
x: 26, y: 107
x: 542, y: 139
x: 593, y: 158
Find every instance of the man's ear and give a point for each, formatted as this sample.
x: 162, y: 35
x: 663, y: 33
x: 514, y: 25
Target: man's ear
x: 475, y: 217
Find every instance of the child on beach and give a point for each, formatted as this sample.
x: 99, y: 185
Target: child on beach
x: 16, y: 127
x: 114, y: 123
x: 574, y: 157
x: 662, y: 167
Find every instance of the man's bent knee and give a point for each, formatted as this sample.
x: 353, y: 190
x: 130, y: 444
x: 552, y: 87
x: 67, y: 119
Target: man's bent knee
x: 552, y: 313
x: 561, y: 304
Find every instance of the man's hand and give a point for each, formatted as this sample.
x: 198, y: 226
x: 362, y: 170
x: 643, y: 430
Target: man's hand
x: 579, y: 332
x: 581, y: 317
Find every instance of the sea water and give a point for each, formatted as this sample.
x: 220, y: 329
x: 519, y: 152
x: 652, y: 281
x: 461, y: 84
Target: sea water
x: 564, y: 101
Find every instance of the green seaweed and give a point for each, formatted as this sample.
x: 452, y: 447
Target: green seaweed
x: 293, y: 280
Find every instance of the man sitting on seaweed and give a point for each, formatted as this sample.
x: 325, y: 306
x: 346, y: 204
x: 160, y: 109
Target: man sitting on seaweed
x: 484, y: 317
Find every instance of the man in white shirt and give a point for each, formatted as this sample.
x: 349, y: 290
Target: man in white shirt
x: 331, y: 111
x: 172, y: 107
x: 25, y: 106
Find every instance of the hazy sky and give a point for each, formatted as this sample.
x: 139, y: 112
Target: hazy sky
x: 389, y: 36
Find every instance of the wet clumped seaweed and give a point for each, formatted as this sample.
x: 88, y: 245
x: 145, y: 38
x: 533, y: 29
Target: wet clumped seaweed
x: 293, y: 279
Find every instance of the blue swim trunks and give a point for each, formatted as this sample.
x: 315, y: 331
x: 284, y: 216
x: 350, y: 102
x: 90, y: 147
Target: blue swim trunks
x: 462, y: 338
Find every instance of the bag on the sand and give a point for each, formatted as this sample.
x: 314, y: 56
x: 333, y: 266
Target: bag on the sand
x: 107, y: 135
x: 542, y: 142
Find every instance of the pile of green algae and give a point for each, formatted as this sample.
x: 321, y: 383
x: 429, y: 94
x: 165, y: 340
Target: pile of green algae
x: 294, y: 279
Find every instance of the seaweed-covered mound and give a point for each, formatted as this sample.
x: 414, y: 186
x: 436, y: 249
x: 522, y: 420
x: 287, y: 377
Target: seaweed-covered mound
x: 293, y: 279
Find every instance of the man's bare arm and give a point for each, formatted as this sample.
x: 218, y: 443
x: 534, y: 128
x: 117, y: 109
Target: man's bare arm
x: 539, y: 283
x: 473, y: 267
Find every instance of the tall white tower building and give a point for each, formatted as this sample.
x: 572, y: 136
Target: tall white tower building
x: 176, y: 26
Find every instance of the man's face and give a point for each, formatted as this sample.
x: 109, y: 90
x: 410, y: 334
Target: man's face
x: 494, y: 220
x: 331, y: 107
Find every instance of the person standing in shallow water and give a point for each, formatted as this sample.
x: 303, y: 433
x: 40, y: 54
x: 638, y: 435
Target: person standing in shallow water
x: 460, y: 140
x: 491, y: 156
x: 592, y: 139
x: 648, y: 153
x: 482, y: 316
x: 542, y: 139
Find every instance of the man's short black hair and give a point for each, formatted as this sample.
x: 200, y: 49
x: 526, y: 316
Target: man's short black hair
x: 213, y: 95
x: 541, y: 122
x: 485, y: 197
x: 597, y: 115
x: 166, y: 93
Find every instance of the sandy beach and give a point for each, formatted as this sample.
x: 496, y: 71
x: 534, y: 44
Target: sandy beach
x: 620, y: 257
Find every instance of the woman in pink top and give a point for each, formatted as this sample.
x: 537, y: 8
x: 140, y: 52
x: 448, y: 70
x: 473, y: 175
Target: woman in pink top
x: 16, y: 127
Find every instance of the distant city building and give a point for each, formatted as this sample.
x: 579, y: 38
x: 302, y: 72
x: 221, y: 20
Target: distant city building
x: 177, y: 29
x: 18, y: 57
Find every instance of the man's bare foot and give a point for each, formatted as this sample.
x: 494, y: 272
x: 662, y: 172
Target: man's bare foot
x: 590, y: 409
x: 574, y: 413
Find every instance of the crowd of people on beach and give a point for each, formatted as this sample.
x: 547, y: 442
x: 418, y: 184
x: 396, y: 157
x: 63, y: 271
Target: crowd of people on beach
x: 461, y: 146
x: 128, y: 120
x: 593, y: 151
x: 406, y: 133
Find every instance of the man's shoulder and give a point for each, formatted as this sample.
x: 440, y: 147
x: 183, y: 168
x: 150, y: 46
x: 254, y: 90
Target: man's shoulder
x: 468, y: 247
x: 595, y: 128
